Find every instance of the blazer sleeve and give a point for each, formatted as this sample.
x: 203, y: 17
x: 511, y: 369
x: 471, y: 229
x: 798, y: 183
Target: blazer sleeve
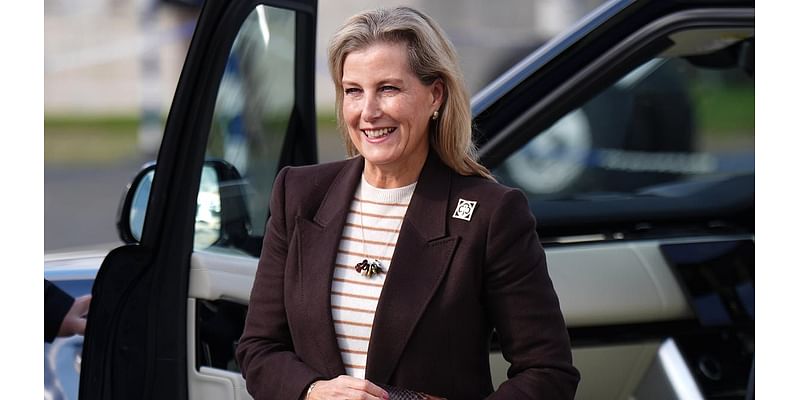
x: 524, y: 308
x: 265, y: 352
x: 56, y: 305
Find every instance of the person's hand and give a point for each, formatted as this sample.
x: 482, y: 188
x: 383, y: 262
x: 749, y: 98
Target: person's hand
x: 347, y: 387
x: 74, y: 322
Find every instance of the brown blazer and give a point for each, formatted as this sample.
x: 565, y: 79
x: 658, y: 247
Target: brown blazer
x: 451, y: 283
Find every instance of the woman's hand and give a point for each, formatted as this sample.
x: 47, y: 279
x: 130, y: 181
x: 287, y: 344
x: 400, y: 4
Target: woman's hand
x: 347, y: 387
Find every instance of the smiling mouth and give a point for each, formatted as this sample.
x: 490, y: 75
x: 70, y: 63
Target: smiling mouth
x: 377, y: 133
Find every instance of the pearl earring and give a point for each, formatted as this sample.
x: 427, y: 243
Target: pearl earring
x: 435, y: 115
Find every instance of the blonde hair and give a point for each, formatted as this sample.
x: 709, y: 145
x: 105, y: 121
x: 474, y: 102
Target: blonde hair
x: 431, y: 56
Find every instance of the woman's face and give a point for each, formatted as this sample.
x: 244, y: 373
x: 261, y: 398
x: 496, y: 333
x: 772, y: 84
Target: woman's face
x: 386, y: 108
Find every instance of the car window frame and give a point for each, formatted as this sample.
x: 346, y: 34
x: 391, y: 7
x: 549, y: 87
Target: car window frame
x: 625, y: 217
x: 599, y: 74
x: 299, y: 145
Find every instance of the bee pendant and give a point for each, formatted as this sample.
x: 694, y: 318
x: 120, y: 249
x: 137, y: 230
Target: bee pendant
x: 368, y: 269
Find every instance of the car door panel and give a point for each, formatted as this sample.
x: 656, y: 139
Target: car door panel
x: 643, y: 288
x: 631, y: 363
x: 208, y: 383
x: 215, y: 276
x: 622, y: 287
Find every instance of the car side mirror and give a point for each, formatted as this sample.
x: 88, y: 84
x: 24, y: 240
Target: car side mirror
x: 221, y: 217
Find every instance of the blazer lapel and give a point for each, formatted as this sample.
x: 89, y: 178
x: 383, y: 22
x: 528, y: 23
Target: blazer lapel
x: 318, y: 242
x: 420, y: 261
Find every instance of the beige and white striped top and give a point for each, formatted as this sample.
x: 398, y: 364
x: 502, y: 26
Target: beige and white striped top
x: 370, y: 232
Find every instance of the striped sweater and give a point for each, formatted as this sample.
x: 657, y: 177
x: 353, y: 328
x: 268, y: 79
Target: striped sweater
x: 370, y: 232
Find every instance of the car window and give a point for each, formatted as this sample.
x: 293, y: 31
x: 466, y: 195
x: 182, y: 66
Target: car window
x: 251, y: 118
x: 684, y: 116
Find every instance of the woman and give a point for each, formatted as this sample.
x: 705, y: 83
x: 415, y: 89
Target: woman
x: 391, y: 269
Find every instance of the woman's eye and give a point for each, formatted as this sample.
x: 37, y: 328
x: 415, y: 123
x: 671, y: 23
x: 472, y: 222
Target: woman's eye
x: 389, y: 89
x: 352, y: 91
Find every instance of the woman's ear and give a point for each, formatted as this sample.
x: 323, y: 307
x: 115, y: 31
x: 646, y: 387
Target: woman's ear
x: 437, y: 90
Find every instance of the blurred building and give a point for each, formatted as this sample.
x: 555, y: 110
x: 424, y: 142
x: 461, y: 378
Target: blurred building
x: 93, y: 52
x: 123, y: 57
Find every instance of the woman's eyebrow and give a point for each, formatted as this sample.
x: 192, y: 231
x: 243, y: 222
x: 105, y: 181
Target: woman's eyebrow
x: 390, y: 81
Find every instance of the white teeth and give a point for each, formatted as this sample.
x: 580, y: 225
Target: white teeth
x: 376, y: 133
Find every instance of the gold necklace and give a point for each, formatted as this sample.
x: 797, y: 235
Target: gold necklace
x: 369, y: 268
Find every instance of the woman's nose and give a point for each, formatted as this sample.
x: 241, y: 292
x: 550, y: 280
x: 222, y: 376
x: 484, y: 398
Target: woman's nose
x: 372, y: 108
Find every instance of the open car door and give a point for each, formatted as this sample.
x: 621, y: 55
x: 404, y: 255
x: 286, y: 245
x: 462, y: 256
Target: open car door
x: 243, y: 108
